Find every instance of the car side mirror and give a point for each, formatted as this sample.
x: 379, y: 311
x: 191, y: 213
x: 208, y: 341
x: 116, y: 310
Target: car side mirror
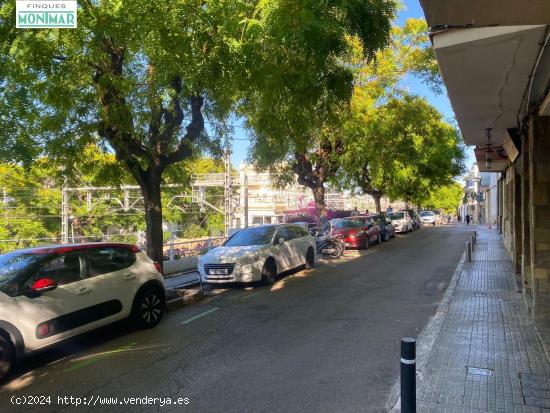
x: 281, y: 241
x: 44, y: 284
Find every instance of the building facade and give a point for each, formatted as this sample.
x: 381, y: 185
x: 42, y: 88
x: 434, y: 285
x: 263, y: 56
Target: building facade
x: 494, y: 57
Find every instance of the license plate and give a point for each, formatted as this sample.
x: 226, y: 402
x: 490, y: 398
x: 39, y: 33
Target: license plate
x: 348, y: 244
x: 327, y: 250
x: 218, y: 271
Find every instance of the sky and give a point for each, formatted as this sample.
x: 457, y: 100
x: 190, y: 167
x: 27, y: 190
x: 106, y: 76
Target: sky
x: 411, y: 9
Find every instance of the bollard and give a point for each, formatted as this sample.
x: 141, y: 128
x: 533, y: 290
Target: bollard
x: 475, y: 237
x: 408, y: 375
x: 469, y: 250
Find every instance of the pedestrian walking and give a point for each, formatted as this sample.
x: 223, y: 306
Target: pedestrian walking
x: 389, y: 210
x: 467, y: 219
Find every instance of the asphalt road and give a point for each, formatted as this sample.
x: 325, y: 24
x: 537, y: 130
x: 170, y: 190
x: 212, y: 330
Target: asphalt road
x: 325, y: 340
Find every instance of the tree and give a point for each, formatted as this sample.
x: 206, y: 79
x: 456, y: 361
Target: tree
x: 382, y: 127
x: 141, y: 78
x: 293, y: 134
x: 30, y: 200
x: 403, y: 149
x: 315, y: 156
x: 445, y: 198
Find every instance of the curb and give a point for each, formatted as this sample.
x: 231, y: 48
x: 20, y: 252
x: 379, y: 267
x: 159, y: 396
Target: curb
x: 427, y: 337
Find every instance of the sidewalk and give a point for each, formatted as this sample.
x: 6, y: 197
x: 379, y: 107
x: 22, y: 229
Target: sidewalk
x: 487, y: 356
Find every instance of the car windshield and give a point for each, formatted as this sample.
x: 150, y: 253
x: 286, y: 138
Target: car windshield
x: 379, y: 219
x: 348, y: 223
x: 426, y: 214
x: 14, y: 264
x: 251, y: 236
x: 397, y: 215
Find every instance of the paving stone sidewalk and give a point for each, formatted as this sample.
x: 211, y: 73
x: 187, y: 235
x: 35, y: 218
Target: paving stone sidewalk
x: 487, y: 356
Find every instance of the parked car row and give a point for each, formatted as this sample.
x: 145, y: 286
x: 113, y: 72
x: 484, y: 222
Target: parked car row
x: 48, y: 294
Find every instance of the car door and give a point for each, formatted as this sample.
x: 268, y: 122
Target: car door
x: 116, y: 281
x: 299, y: 244
x: 68, y: 309
x: 284, y: 252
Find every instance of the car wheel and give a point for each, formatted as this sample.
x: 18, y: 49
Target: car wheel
x: 310, y: 258
x: 379, y: 238
x: 149, y: 307
x: 269, y: 272
x: 7, y: 356
x: 367, y: 244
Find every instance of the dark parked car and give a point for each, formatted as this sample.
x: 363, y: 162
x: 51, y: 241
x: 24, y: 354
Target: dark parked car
x: 386, y: 226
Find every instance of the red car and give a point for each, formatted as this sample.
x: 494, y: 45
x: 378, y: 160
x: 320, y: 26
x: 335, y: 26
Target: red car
x: 358, y: 232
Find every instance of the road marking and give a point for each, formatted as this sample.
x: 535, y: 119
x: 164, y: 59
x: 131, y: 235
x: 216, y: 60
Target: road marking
x: 97, y: 357
x: 252, y: 294
x: 200, y: 315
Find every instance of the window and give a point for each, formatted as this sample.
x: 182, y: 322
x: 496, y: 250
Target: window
x: 63, y: 268
x: 286, y: 233
x: 251, y: 236
x: 257, y: 220
x: 298, y: 231
x: 109, y: 259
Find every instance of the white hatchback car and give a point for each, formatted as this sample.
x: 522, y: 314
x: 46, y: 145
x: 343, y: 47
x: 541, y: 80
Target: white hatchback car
x: 428, y: 218
x: 402, y: 221
x: 258, y: 253
x: 49, y: 294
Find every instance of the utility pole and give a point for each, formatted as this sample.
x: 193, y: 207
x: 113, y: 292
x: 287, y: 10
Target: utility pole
x: 245, y: 189
x: 64, y: 213
x: 228, y: 191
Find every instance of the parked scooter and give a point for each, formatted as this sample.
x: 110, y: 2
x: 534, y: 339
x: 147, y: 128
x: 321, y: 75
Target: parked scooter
x: 331, y: 246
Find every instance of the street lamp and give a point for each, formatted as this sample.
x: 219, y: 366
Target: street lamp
x: 488, y: 150
x: 488, y: 160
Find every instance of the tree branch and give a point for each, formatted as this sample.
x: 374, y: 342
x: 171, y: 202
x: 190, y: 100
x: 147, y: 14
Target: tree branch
x: 193, y: 131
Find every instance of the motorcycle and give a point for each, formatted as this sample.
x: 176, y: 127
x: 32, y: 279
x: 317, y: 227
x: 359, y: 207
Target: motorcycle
x: 331, y: 246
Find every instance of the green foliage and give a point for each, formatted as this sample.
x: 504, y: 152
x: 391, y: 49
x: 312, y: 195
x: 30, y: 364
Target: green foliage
x: 134, y: 73
x: 445, y: 198
x: 402, y: 149
x: 397, y: 144
x: 31, y: 214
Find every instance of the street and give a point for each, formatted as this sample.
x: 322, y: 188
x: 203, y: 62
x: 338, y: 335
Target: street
x: 322, y: 340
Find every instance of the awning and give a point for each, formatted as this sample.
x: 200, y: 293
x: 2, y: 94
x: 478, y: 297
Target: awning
x: 487, y: 72
x: 480, y: 13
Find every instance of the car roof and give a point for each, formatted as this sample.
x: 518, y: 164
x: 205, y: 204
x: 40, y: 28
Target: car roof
x: 60, y: 248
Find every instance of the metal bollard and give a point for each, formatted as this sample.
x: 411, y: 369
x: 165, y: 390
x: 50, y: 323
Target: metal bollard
x: 408, y: 375
x: 473, y: 243
x: 469, y: 250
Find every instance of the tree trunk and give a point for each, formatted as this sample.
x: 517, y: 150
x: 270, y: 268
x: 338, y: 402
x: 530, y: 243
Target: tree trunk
x: 319, y: 197
x: 377, y: 198
x: 150, y: 190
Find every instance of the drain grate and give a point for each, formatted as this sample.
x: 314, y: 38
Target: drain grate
x: 477, y: 371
